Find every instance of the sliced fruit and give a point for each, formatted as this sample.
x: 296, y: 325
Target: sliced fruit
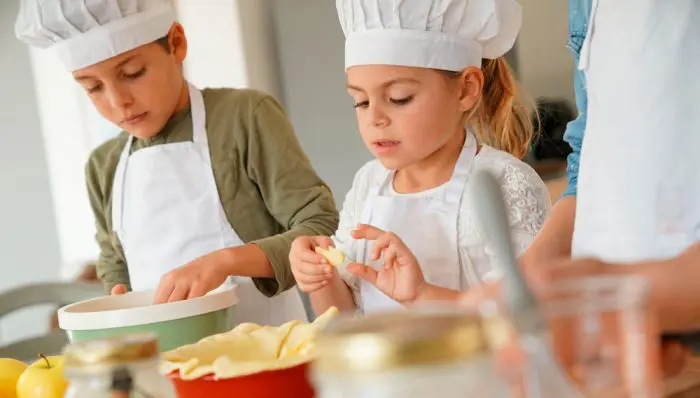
x: 334, y: 256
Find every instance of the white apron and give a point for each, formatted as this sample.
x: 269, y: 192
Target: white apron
x: 427, y: 225
x: 167, y: 212
x: 639, y: 178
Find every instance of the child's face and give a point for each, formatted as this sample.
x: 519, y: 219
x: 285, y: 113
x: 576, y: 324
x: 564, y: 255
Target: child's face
x: 406, y: 114
x: 141, y: 89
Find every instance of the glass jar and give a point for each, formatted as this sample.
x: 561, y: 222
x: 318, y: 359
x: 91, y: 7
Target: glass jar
x: 410, y: 353
x: 611, y: 320
x: 121, y: 367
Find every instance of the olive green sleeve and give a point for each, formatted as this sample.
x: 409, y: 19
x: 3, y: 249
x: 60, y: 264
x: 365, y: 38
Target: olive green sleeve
x: 111, y: 267
x: 293, y: 193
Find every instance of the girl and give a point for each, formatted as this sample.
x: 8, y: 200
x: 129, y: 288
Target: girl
x: 419, y: 71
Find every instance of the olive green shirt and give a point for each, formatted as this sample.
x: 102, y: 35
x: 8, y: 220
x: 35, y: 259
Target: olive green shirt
x: 267, y: 186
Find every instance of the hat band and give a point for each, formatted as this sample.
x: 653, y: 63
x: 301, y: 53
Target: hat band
x: 117, y: 37
x: 423, y: 49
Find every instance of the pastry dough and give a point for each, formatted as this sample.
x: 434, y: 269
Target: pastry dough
x: 334, y: 256
x: 247, y: 349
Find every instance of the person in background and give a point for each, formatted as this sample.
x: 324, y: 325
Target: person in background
x: 633, y: 211
x: 419, y: 71
x: 201, y: 185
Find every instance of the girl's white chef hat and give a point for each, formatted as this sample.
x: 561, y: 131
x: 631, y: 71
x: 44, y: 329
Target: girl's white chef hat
x: 439, y: 34
x: 85, y: 32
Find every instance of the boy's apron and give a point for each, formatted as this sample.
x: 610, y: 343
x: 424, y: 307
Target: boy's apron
x: 167, y: 212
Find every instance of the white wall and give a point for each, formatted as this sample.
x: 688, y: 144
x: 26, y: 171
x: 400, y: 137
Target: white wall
x: 215, y: 44
x: 29, y: 248
x: 230, y: 44
x: 310, y: 47
x: 545, y: 64
x: 260, y: 47
x: 71, y: 128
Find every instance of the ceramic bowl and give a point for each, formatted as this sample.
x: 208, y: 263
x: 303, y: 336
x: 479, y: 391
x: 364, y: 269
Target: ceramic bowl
x: 176, y: 324
x: 289, y: 382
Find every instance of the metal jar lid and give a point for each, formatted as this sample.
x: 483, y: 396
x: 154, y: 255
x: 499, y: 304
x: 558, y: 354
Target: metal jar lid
x: 112, y: 351
x: 401, y: 339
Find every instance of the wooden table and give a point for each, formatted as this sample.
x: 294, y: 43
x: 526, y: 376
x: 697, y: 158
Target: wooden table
x: 687, y: 383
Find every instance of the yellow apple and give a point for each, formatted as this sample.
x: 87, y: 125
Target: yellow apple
x: 334, y: 256
x: 10, y: 370
x: 43, y: 379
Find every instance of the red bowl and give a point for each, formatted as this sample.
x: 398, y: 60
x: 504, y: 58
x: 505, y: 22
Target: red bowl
x: 290, y: 382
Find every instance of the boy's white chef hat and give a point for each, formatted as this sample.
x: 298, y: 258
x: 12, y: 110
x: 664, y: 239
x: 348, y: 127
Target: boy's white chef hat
x: 439, y: 34
x: 85, y: 32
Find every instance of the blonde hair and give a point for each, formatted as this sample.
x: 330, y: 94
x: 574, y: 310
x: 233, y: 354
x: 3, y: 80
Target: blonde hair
x: 500, y: 118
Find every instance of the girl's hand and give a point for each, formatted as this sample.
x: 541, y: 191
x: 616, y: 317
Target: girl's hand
x: 310, y: 269
x: 401, y: 277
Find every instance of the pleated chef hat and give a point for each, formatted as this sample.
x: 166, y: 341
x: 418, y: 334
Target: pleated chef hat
x: 439, y: 34
x: 85, y: 32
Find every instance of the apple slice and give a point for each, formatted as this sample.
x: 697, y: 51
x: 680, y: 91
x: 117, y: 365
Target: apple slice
x: 334, y: 256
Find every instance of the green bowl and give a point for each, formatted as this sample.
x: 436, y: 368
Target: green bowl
x: 176, y: 324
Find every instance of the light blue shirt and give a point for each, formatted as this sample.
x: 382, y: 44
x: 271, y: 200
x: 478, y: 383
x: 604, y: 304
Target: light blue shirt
x: 579, y: 14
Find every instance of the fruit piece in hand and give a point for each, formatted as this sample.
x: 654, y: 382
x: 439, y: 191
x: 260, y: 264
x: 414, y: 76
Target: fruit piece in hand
x: 43, y: 379
x: 334, y: 256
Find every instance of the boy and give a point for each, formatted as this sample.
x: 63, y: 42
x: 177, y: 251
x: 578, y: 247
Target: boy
x: 200, y: 186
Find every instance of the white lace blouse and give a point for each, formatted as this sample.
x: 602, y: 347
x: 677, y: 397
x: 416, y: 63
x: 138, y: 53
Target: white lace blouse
x: 526, y: 197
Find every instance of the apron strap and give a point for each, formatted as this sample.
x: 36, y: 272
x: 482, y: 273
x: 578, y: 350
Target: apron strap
x: 456, y: 186
x: 460, y: 175
x: 118, y: 184
x: 366, y: 215
x: 199, y: 120
x: 386, y: 183
x: 201, y: 141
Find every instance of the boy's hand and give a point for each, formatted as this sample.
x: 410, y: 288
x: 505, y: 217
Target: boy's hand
x: 118, y: 289
x: 673, y: 283
x: 401, y: 277
x: 673, y: 293
x: 311, y: 270
x: 193, y: 280
x: 672, y: 356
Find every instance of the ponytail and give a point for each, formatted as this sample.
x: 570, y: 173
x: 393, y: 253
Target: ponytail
x: 501, y: 120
